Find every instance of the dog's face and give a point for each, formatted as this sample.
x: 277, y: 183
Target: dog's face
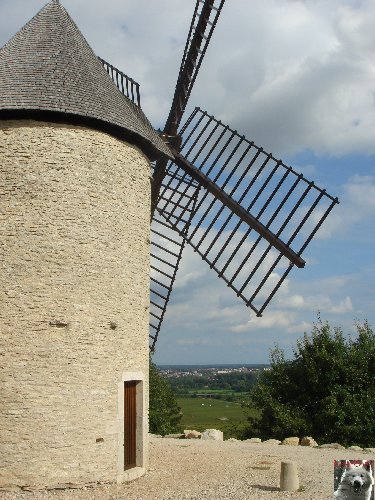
x: 358, y: 477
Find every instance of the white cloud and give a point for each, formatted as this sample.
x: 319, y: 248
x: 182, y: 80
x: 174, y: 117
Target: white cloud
x: 189, y: 342
x: 300, y: 328
x: 319, y: 302
x: 357, y: 202
x: 273, y: 319
x: 293, y: 302
x: 343, y: 306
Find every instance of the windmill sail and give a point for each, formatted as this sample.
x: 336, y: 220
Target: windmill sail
x: 165, y: 256
x: 255, y: 216
x: 166, y: 181
x: 167, y: 244
x: 203, y: 23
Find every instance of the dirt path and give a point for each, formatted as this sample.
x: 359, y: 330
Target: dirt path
x: 212, y: 470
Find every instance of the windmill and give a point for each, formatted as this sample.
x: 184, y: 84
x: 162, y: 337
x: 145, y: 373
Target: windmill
x: 247, y: 214
x: 75, y: 206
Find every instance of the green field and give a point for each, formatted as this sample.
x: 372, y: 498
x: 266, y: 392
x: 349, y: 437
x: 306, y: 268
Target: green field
x: 238, y: 396
x: 210, y: 413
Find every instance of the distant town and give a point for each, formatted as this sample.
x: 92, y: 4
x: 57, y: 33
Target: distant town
x: 178, y: 371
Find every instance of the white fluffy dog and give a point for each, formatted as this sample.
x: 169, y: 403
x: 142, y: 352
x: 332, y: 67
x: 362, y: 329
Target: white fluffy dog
x: 356, y: 482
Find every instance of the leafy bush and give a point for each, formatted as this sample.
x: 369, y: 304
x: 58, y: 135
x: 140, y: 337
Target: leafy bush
x: 327, y: 390
x: 164, y: 412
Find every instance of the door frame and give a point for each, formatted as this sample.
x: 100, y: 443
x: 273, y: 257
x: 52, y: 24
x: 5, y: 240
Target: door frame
x: 141, y: 428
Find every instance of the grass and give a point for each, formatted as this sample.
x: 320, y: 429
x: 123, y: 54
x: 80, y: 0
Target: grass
x: 210, y: 413
x: 239, y: 396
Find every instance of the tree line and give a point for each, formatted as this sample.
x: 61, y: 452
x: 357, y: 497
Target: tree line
x: 231, y: 382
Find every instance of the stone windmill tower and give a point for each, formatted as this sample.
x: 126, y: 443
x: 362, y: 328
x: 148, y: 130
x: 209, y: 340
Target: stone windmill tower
x: 75, y: 226
x: 75, y: 207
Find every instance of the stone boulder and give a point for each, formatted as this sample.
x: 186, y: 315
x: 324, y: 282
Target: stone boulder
x: 291, y: 441
x: 335, y: 446
x: 212, y: 434
x: 308, y: 441
x: 355, y: 448
x: 192, y: 434
x: 272, y: 441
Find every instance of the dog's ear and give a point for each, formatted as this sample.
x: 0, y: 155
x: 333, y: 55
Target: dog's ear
x: 367, y: 465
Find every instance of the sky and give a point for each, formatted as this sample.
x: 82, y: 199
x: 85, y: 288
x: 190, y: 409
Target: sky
x: 298, y: 78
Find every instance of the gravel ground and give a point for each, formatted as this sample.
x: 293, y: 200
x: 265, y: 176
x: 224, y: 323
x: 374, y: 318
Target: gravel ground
x: 214, y: 470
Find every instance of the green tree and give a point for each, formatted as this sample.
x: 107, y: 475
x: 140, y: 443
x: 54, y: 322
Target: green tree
x: 327, y: 390
x: 164, y: 412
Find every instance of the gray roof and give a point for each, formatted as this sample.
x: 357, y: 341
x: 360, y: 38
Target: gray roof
x: 49, y: 70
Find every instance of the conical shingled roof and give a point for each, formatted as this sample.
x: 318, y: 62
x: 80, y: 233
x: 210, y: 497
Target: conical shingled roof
x: 49, y: 69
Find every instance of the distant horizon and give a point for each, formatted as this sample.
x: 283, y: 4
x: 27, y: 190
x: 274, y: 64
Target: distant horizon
x: 209, y: 365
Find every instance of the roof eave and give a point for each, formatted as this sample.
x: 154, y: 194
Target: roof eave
x: 121, y: 133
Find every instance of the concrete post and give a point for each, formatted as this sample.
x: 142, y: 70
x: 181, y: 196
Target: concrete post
x: 289, y: 476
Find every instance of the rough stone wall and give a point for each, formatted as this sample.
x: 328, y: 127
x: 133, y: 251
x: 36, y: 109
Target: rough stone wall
x: 74, y: 295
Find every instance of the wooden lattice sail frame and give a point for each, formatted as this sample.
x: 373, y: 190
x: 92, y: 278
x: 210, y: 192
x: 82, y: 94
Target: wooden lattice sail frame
x: 246, y: 213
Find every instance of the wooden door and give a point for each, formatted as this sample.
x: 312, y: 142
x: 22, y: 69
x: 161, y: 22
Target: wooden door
x: 130, y: 424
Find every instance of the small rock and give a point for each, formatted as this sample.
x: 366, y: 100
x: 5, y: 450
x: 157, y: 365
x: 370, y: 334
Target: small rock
x: 175, y: 436
x: 308, y: 441
x: 291, y: 441
x: 335, y: 446
x: 192, y: 434
x: 155, y: 435
x: 272, y: 441
x: 355, y: 448
x: 212, y: 434
x: 232, y: 440
x: 371, y: 450
x: 253, y: 440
